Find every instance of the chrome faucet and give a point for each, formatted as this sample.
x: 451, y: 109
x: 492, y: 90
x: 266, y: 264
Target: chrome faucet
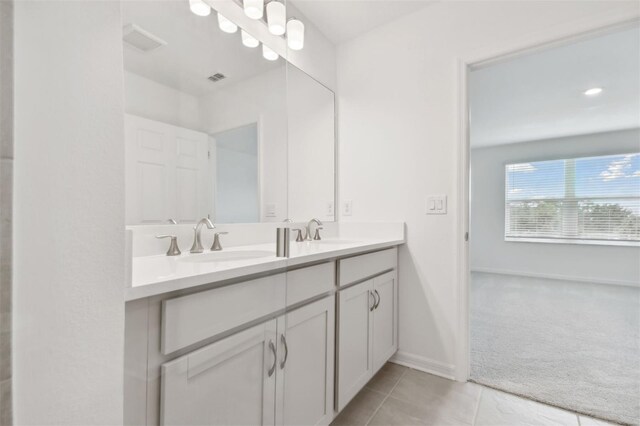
x: 197, y: 242
x: 308, y: 229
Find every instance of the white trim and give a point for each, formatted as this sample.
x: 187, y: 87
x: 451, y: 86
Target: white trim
x: 424, y: 364
x: 556, y: 35
x: 623, y: 283
x: 462, y: 344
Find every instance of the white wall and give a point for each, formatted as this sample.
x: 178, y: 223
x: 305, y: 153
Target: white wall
x: 155, y: 101
x: 399, y: 122
x: 260, y: 99
x: 489, y: 251
x: 69, y: 213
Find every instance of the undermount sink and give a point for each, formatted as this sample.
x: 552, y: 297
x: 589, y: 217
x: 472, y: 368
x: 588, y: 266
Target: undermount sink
x: 226, y: 256
x: 334, y: 242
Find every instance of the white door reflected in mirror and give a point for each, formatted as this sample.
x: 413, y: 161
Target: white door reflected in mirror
x: 214, y: 130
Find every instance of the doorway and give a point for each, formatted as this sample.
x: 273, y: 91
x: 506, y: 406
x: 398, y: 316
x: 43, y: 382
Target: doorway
x: 554, y: 288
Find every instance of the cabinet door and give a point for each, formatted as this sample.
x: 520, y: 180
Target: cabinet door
x: 385, y: 336
x: 355, y: 366
x: 305, y: 369
x: 230, y: 382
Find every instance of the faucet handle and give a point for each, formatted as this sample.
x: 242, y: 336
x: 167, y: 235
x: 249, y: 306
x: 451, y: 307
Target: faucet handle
x: 216, y: 246
x: 174, y: 250
x: 316, y: 237
x: 299, y: 237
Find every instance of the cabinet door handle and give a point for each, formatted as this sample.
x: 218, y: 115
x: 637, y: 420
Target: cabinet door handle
x: 275, y: 359
x: 286, y: 351
x: 378, y: 302
x: 372, y: 307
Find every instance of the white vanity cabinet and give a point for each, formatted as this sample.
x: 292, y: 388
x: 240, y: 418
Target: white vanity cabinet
x: 367, y: 320
x: 262, y: 350
x: 230, y: 382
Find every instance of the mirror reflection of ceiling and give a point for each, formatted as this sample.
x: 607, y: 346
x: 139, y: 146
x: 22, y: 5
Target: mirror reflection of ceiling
x: 541, y: 95
x: 195, y: 49
x: 343, y: 20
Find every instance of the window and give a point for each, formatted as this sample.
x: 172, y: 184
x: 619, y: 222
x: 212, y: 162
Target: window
x: 581, y: 200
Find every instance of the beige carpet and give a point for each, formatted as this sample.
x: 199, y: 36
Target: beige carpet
x: 571, y: 344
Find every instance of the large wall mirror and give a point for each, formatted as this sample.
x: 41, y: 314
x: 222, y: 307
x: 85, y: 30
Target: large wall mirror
x: 213, y: 129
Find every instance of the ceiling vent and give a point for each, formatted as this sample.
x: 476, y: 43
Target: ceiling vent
x: 217, y: 77
x: 140, y: 39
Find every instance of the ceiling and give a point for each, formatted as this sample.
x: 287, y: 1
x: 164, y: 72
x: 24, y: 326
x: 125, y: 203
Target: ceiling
x: 195, y: 50
x: 343, y: 20
x: 540, y: 95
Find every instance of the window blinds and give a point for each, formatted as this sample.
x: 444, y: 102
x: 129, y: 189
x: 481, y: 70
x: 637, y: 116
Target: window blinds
x: 589, y: 198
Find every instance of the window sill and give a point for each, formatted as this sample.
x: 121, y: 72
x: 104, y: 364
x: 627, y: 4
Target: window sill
x: 572, y: 241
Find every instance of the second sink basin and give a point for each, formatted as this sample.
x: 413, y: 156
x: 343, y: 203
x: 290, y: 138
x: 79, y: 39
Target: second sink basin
x: 333, y: 242
x: 225, y: 256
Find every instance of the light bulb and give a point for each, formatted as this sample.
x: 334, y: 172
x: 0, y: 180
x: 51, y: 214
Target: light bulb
x: 226, y: 25
x: 276, y: 17
x: 268, y: 53
x: 254, y: 9
x: 295, y: 34
x: 199, y: 7
x: 249, y: 40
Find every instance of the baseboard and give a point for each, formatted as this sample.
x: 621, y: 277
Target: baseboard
x: 424, y: 364
x: 556, y: 277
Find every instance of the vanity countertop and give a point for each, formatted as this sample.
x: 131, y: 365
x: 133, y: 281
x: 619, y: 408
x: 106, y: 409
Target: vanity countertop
x: 154, y: 275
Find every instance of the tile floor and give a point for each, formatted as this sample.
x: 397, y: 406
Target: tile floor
x: 402, y: 396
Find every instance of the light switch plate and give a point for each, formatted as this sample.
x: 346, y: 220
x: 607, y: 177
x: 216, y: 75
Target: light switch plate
x: 436, y: 204
x: 270, y: 210
x: 347, y: 208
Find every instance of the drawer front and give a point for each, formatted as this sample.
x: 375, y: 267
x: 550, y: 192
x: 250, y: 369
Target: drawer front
x: 305, y: 283
x: 189, y: 319
x: 357, y: 268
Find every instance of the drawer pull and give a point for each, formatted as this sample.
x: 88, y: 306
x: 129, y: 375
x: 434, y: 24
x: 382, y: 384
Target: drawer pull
x: 286, y: 350
x: 372, y: 307
x: 378, y: 302
x: 273, y: 349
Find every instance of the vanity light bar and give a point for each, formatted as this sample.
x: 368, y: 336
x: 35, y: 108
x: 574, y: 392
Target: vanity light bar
x: 255, y: 9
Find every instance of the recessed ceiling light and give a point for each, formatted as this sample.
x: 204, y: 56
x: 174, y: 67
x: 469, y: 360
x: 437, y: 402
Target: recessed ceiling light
x: 593, y: 91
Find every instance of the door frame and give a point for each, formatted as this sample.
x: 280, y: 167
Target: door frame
x: 542, y: 40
